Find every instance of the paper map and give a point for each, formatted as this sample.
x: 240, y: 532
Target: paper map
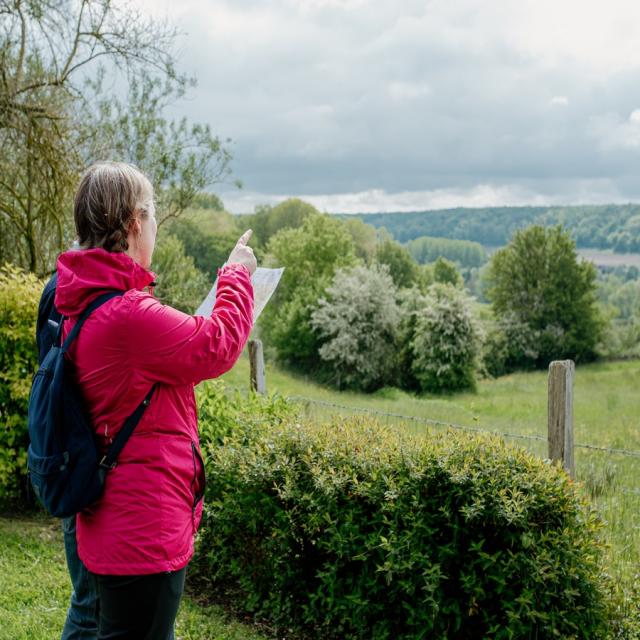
x: 264, y: 283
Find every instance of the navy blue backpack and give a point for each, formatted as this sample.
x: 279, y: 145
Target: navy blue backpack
x: 66, y: 469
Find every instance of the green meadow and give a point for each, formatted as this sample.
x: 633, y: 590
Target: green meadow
x: 35, y: 585
x: 35, y: 589
x: 606, y: 415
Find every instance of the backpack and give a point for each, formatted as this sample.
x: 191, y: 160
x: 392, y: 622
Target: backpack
x: 65, y: 466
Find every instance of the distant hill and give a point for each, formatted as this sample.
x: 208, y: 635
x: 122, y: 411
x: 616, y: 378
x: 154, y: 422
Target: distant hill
x: 615, y: 227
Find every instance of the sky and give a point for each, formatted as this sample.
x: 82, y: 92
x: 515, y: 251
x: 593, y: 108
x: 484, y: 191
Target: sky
x: 397, y: 105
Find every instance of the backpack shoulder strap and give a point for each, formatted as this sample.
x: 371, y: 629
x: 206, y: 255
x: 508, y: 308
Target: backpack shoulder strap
x: 109, y: 459
x: 89, y: 309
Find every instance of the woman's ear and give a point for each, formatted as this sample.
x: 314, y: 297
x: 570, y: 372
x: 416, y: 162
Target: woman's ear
x: 135, y: 226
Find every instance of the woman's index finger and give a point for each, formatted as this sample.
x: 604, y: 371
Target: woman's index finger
x: 245, y: 237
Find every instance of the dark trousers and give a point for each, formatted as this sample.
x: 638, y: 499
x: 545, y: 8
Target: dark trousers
x: 82, y: 617
x: 139, y: 607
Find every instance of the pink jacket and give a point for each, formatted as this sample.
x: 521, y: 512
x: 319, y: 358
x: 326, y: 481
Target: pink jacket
x: 146, y: 519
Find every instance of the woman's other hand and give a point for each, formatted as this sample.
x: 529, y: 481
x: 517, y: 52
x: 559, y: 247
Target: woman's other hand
x: 243, y: 254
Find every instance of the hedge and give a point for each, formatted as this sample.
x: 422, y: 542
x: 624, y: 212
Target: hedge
x: 19, y: 296
x: 353, y: 530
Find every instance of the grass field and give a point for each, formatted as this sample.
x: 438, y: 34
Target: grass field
x: 606, y: 414
x: 35, y: 589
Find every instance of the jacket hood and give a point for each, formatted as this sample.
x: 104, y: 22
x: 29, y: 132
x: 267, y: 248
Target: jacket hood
x: 85, y: 274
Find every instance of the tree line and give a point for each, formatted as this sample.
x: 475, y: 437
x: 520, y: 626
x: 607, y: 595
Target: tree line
x: 354, y: 308
x: 615, y: 227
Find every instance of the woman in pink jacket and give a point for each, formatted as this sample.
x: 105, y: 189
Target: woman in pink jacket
x: 138, y: 537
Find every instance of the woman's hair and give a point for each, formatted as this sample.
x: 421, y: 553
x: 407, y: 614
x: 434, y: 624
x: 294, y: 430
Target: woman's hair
x: 108, y: 195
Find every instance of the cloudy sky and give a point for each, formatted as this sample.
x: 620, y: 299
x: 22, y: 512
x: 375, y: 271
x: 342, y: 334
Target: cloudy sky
x: 388, y: 105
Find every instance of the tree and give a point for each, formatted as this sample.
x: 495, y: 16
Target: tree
x: 49, y: 129
x: 446, y: 341
x: 365, y: 238
x: 402, y: 267
x: 427, y: 249
x: 208, y: 251
x: 537, y: 281
x: 358, y: 321
x: 310, y: 254
x: 267, y: 221
x: 445, y: 272
x: 180, y: 159
x: 180, y: 283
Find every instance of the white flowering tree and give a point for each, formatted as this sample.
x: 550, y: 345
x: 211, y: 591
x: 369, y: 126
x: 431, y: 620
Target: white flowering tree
x: 358, y: 322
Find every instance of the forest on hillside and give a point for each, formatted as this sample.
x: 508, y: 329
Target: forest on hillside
x: 615, y: 227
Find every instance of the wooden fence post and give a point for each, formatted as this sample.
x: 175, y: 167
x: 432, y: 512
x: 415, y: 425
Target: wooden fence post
x: 560, y: 414
x: 256, y: 359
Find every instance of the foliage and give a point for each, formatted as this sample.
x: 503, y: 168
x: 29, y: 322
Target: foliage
x: 352, y: 530
x: 510, y: 344
x: 538, y: 281
x: 223, y: 412
x: 364, y: 236
x: 267, y: 221
x: 600, y: 226
x: 289, y: 334
x: 58, y: 114
x: 208, y: 201
x: 208, y: 251
x: 402, y: 267
x: 411, y: 302
x: 180, y: 159
x: 445, y: 343
x: 180, y: 283
x: 623, y: 296
x: 445, y: 272
x: 467, y: 254
x: 310, y: 254
x: 619, y: 296
x: 19, y: 296
x: 357, y: 321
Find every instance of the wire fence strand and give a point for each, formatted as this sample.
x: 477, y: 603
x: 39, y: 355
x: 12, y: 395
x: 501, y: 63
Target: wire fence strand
x: 453, y: 425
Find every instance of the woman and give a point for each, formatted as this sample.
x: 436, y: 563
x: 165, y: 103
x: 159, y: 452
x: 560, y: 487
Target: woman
x: 137, y: 539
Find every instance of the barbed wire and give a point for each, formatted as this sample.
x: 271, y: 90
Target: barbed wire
x: 441, y: 423
x: 453, y: 425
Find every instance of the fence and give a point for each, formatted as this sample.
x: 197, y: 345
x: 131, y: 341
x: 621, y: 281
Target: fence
x: 611, y: 475
x: 560, y: 441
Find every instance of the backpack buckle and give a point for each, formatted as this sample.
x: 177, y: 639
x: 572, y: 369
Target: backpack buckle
x: 104, y: 465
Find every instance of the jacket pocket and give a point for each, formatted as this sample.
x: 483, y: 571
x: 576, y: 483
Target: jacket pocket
x: 199, y: 477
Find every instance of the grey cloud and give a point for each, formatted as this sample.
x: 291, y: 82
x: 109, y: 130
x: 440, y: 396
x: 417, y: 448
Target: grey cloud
x: 347, y: 100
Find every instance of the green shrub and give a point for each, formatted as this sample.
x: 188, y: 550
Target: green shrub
x: 403, y: 269
x: 353, y: 530
x: 223, y: 412
x: 19, y: 296
x: 446, y: 341
x: 509, y: 344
